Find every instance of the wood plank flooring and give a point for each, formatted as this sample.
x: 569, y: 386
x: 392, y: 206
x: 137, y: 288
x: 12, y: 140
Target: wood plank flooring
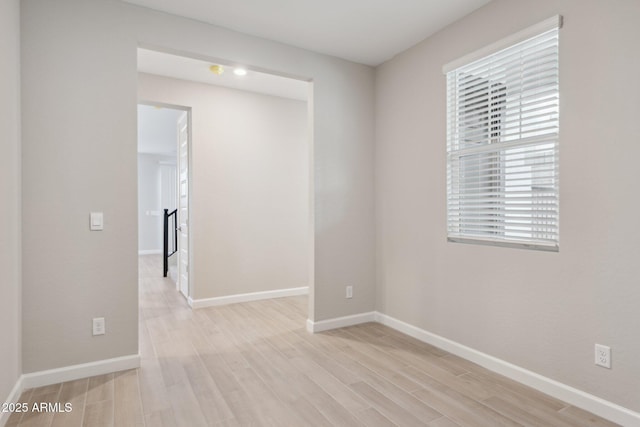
x: 255, y: 364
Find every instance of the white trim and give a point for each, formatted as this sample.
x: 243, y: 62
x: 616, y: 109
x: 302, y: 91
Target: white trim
x: 84, y: 370
x: 150, y: 252
x: 573, y: 396
x: 527, y: 33
x: 340, y: 322
x: 13, y: 397
x: 254, y: 296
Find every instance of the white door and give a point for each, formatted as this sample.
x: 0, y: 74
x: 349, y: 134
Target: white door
x: 183, y: 204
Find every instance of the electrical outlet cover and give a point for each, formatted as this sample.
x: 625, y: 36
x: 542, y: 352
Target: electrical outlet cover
x: 603, y: 356
x: 99, y: 326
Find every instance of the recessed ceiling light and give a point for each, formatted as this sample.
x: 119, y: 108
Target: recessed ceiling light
x: 216, y: 69
x: 240, y: 72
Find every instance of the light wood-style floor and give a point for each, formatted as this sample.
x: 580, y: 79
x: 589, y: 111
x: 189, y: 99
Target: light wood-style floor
x: 255, y: 364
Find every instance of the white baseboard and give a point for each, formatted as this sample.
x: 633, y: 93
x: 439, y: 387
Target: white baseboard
x: 13, y: 397
x: 571, y: 395
x: 68, y: 373
x: 254, y: 296
x: 340, y: 322
x: 74, y: 372
x: 150, y: 252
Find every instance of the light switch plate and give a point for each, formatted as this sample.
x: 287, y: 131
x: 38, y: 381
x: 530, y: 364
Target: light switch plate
x: 97, y: 221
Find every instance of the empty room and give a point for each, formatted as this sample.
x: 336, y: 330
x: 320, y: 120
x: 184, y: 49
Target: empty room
x: 440, y: 230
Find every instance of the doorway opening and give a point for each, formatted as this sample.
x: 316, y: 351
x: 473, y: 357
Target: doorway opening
x: 163, y: 191
x: 250, y: 175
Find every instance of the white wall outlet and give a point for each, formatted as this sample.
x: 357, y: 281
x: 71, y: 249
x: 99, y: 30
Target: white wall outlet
x: 99, y: 327
x: 603, y: 356
x: 349, y: 292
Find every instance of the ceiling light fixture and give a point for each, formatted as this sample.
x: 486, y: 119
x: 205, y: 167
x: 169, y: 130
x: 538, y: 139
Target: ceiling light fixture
x: 216, y: 69
x: 240, y: 72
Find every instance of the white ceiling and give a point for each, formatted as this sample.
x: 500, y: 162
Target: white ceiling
x: 180, y: 67
x: 157, y: 130
x: 365, y: 31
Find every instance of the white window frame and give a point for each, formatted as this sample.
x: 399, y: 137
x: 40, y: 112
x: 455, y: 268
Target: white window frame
x: 502, y: 154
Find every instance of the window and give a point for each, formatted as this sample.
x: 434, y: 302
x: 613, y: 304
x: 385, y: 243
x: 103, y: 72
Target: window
x: 502, y: 142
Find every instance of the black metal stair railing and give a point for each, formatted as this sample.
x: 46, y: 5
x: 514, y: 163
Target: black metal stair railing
x: 170, y: 247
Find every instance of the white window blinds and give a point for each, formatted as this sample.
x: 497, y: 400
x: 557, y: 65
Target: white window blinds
x: 502, y: 145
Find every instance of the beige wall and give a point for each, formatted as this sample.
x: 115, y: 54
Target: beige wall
x: 79, y: 155
x: 79, y: 139
x: 150, y: 236
x: 250, y: 192
x: 541, y: 311
x: 10, y: 195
